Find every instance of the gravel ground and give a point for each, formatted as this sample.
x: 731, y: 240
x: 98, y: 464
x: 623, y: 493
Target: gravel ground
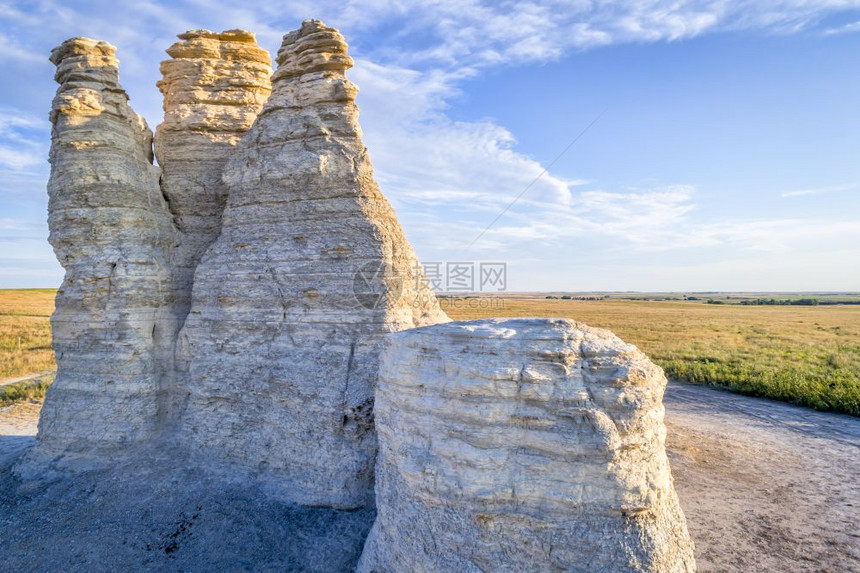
x: 765, y: 487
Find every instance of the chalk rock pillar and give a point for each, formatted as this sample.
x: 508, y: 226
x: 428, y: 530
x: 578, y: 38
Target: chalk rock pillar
x: 214, y: 86
x: 291, y: 302
x: 522, y: 445
x: 112, y: 232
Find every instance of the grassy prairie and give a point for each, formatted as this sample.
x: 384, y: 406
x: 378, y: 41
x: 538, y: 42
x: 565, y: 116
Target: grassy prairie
x: 25, y: 332
x: 805, y: 355
x: 808, y: 355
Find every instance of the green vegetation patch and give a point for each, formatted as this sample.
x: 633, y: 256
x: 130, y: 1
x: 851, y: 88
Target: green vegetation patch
x: 24, y: 391
x: 835, y: 390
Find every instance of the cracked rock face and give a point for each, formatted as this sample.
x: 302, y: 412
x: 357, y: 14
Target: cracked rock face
x: 522, y: 445
x: 112, y: 232
x: 291, y: 302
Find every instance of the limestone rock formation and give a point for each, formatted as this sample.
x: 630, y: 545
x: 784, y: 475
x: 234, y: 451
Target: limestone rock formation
x: 234, y: 315
x: 112, y: 232
x: 522, y: 445
x: 291, y: 302
x: 214, y: 86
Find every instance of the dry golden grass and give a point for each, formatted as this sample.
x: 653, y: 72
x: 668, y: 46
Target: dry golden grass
x: 808, y: 355
x: 25, y: 332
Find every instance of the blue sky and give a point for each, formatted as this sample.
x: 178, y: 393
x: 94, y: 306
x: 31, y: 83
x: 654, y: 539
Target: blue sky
x: 727, y: 156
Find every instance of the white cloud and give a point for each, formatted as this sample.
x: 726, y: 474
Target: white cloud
x: 475, y: 33
x: 819, y: 190
x: 448, y: 33
x: 645, y: 220
x: 23, y: 141
x: 13, y: 51
x: 18, y: 159
x: 422, y: 157
x: 13, y: 119
x: 624, y: 213
x: 846, y: 29
x: 18, y: 226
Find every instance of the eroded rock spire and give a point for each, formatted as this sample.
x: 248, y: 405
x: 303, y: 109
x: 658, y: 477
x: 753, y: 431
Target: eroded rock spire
x: 291, y: 301
x: 112, y: 232
x: 214, y: 86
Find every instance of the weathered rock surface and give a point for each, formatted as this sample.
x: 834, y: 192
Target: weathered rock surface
x: 112, y: 232
x: 282, y: 353
x: 522, y: 445
x: 214, y: 86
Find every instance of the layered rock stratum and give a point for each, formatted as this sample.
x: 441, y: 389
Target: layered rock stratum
x: 130, y: 234
x: 298, y: 264
x: 522, y: 445
x: 291, y: 302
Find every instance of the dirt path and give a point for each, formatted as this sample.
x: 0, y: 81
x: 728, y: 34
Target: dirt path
x: 17, y: 430
x: 7, y: 381
x: 765, y: 486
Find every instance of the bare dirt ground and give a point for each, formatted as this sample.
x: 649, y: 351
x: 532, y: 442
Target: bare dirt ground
x: 17, y: 430
x: 765, y: 487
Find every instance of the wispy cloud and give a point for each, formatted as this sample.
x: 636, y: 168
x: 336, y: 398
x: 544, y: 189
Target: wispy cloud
x: 12, y: 119
x: 819, y: 190
x: 18, y: 159
x: 422, y: 157
x: 846, y: 29
x: 23, y: 140
x: 14, y: 51
x: 22, y: 228
x: 475, y: 33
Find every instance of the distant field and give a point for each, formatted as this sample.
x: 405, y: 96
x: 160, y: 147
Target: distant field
x: 25, y: 332
x: 807, y: 355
